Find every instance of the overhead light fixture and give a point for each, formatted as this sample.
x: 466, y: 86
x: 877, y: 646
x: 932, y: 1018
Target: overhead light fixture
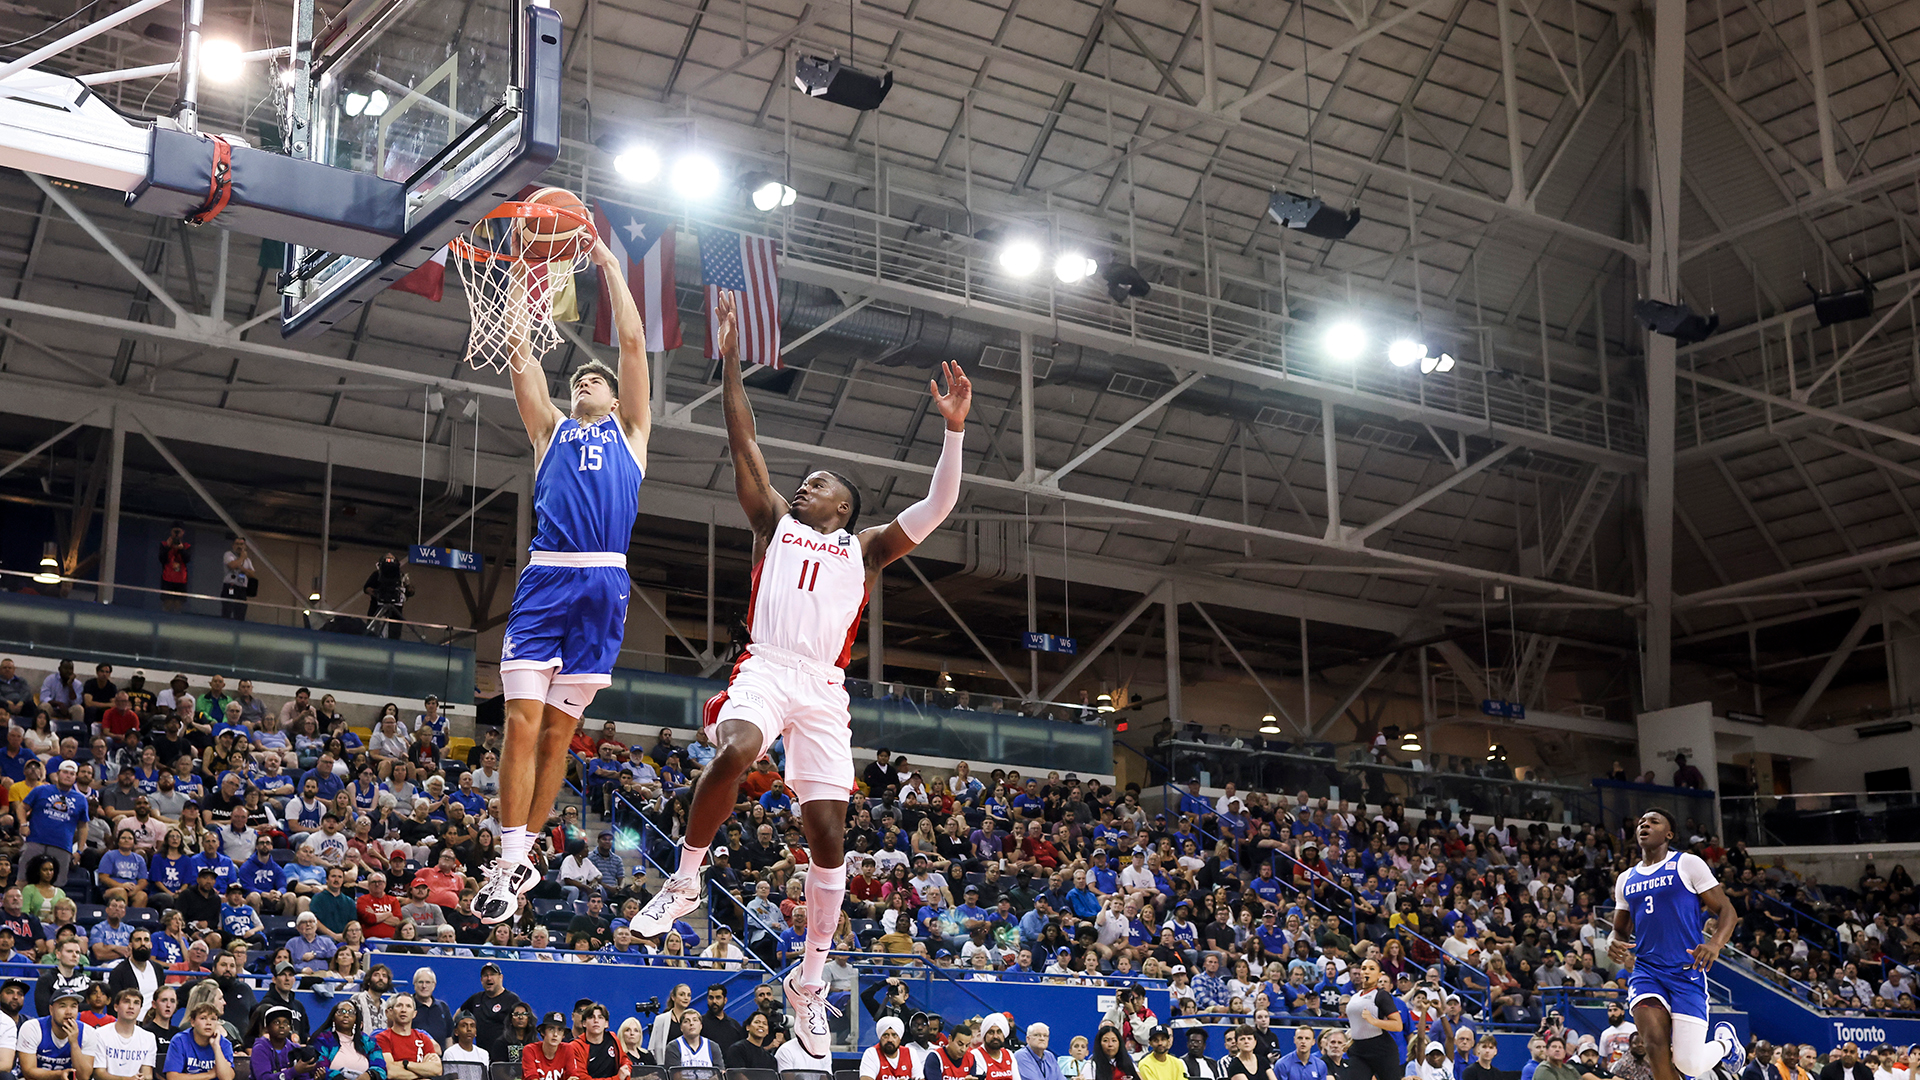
x: 1406, y: 352
x: 1344, y: 341
x: 49, y: 565
x: 1269, y: 725
x: 694, y: 176
x: 1125, y: 282
x: 1020, y: 258
x: 1103, y: 703
x: 1871, y: 731
x: 1442, y: 364
x: 1310, y: 215
x: 1843, y: 306
x: 436, y: 401
x: 1677, y: 321
x: 831, y: 80
x: 313, y: 598
x: 221, y: 61
x: 1410, y: 743
x: 1072, y: 267
x: 638, y: 164
x: 769, y: 193
x: 1497, y: 752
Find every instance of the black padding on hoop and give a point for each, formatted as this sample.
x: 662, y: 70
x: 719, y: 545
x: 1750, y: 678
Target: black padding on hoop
x: 283, y: 198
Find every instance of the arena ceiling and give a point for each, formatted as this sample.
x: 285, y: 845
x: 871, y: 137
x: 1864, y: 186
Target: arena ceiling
x: 1505, y: 215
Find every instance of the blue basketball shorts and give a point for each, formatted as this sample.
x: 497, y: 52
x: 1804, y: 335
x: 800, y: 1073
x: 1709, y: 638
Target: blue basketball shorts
x: 1683, y: 992
x: 571, y: 619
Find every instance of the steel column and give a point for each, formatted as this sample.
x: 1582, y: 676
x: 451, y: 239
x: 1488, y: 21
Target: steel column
x: 1171, y: 631
x: 110, y: 526
x: 1667, y: 76
x: 1026, y: 407
x: 1330, y: 452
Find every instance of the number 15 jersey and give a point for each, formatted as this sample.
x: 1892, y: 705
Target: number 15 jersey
x: 586, y: 490
x: 808, y: 592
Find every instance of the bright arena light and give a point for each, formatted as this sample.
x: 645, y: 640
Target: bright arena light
x: 1020, y: 258
x: 1442, y: 363
x: 639, y: 165
x: 773, y: 194
x: 1072, y: 266
x: 695, y: 176
x: 1344, y: 341
x: 220, y: 61
x: 1405, y: 352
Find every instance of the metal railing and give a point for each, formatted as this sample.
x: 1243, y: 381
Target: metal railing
x: 1835, y: 818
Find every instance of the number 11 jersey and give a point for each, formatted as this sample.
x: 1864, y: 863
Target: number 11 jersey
x: 808, y: 592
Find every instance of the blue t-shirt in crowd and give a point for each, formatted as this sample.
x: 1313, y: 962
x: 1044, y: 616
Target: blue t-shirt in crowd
x: 123, y: 866
x: 53, y: 815
x: 222, y: 867
x: 262, y: 875
x: 238, y: 920
x: 13, y: 764
x: 170, y: 874
x: 186, y: 1055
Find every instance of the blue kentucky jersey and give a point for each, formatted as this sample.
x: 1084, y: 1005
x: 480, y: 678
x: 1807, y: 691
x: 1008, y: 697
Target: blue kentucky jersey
x: 586, y: 492
x: 1664, y: 899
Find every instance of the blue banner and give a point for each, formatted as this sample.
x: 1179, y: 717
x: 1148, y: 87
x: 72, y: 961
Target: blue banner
x: 1506, y: 710
x: 1038, y: 642
x: 451, y: 558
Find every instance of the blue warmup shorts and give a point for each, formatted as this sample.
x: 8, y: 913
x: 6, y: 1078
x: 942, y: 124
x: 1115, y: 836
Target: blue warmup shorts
x: 1683, y: 992
x: 572, y: 616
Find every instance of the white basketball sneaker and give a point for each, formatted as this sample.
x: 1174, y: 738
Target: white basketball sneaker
x: 676, y: 900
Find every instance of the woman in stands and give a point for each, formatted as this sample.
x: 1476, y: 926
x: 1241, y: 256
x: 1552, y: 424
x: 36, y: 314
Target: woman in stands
x: 633, y: 1040
x: 42, y: 892
x: 169, y: 875
x: 1110, y: 1061
x: 666, y: 1026
x: 170, y: 941
x: 161, y: 1013
x: 515, y: 1036
x: 346, y: 1051
x: 752, y: 1052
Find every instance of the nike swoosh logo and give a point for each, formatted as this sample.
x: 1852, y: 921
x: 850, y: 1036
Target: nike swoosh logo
x: 571, y: 702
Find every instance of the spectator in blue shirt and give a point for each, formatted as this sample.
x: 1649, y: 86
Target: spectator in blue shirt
x: 327, y: 782
x: 13, y: 759
x: 239, y: 921
x: 793, y: 940
x: 970, y: 911
x: 265, y: 882
x: 776, y: 800
x: 111, y: 939
x: 1193, y: 802
x: 56, y: 820
x: 1301, y: 998
x: 122, y: 873
x: 203, y: 1048
x: 210, y: 858
x: 1209, y: 987
x: 1266, y: 886
x: 1082, y: 902
x: 1035, y: 921
x: 1027, y: 802
x: 1303, y: 1063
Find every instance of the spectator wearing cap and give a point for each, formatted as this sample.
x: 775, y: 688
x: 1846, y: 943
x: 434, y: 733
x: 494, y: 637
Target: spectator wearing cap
x: 492, y: 1005
x: 56, y: 821
x: 280, y: 1036
x: 48, y: 1045
x: 280, y: 993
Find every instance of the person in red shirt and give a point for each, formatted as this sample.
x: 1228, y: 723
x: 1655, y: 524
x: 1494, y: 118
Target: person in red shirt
x: 444, y: 880
x: 121, y: 719
x: 866, y: 887
x: 552, y: 1058
x: 411, y: 1054
x: 1041, y: 850
x: 992, y: 1060
x: 379, y: 910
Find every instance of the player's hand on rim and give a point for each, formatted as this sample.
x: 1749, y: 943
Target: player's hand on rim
x: 601, y: 254
x: 959, y: 396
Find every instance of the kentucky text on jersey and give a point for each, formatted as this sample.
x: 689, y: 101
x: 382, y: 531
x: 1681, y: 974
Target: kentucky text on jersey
x: 587, y: 489
x: 1649, y: 884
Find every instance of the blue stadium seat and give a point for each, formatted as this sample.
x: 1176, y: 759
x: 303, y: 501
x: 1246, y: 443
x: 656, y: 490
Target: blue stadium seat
x: 283, y: 856
x: 88, y: 914
x: 143, y: 916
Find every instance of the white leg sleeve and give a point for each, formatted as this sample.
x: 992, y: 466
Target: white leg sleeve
x: 526, y: 684
x: 1693, y: 1054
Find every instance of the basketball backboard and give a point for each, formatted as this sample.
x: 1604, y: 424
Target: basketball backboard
x: 456, y: 100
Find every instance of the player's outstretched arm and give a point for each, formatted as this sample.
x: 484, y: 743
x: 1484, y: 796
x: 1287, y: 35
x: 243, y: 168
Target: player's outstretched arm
x: 636, y: 389
x: 885, y: 543
x: 763, y: 505
x: 529, y: 378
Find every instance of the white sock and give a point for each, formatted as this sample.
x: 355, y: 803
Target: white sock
x: 515, y: 843
x: 691, y: 860
x: 826, y: 887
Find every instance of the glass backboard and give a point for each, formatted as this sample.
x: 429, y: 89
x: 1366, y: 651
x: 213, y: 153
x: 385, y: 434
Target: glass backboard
x: 457, y: 100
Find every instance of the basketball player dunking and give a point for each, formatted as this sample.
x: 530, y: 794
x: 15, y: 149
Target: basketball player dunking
x: 570, y: 608
x: 812, y: 574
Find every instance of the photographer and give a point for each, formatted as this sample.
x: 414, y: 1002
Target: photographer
x: 387, y: 589
x: 176, y: 554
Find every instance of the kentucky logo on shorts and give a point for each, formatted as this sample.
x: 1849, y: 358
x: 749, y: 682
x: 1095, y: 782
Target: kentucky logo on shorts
x: 506, y: 647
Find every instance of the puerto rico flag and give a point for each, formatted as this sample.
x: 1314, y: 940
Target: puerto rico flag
x: 643, y: 242
x: 746, y: 266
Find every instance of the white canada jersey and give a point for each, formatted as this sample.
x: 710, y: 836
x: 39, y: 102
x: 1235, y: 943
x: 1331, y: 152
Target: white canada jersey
x: 808, y: 592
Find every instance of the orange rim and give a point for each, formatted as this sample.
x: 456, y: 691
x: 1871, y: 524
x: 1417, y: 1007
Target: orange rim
x: 580, y: 243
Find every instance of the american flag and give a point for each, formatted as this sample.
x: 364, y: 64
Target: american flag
x: 643, y: 243
x: 745, y: 266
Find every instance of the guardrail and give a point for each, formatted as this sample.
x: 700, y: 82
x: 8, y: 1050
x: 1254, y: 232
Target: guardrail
x: 1835, y: 818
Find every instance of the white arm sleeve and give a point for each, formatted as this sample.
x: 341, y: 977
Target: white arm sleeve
x: 919, y: 520
x: 1696, y: 874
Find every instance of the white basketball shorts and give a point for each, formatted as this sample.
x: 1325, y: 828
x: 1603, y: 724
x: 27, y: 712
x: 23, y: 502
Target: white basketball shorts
x: 783, y: 693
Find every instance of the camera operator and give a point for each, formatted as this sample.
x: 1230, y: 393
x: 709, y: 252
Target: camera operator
x: 387, y: 589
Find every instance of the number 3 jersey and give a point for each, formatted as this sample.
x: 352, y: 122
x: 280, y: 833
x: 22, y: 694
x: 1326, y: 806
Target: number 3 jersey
x: 586, y: 491
x: 808, y: 592
x: 1668, y: 921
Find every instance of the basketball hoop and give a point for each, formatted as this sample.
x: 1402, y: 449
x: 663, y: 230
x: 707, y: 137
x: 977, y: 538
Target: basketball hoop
x: 513, y: 264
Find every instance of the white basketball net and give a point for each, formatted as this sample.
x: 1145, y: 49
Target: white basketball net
x: 510, y: 295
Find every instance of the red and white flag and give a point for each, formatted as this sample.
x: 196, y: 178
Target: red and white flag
x: 643, y: 243
x: 746, y: 266
x: 429, y: 279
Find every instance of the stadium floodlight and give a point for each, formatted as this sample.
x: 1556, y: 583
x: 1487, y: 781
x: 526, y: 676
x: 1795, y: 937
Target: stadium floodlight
x: 1310, y: 215
x: 1410, y: 742
x: 1843, y: 306
x: 638, y: 164
x: 221, y: 61
x: 1344, y: 341
x: 768, y: 193
x: 1072, y: 267
x: 1269, y: 725
x: 49, y: 565
x: 1125, y: 282
x: 1406, y: 352
x: 1020, y: 257
x: 694, y: 176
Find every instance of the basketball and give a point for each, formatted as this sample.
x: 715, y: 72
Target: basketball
x: 549, y: 239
